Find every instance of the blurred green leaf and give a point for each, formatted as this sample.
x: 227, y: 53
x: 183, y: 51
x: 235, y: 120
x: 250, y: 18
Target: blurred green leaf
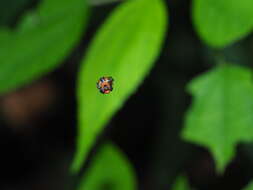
x: 181, y: 184
x: 9, y: 10
x: 110, y: 170
x: 221, y: 112
x: 41, y: 41
x: 125, y: 48
x: 222, y: 22
x: 249, y: 186
x: 102, y: 2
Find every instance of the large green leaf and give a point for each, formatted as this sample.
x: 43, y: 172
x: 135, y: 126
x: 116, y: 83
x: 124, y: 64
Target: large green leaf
x: 222, y: 22
x: 221, y: 112
x: 181, y: 184
x: 125, y: 48
x: 249, y: 186
x: 40, y: 42
x: 110, y: 170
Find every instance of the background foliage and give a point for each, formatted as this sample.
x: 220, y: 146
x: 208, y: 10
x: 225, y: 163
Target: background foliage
x: 182, y: 99
x: 39, y: 43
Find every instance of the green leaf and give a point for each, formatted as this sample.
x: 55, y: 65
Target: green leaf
x: 181, y: 184
x: 109, y: 170
x: 102, y: 2
x: 40, y: 42
x: 221, y: 113
x: 125, y: 48
x: 249, y: 186
x: 9, y: 10
x: 222, y: 22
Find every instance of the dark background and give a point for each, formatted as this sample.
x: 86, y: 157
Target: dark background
x: 38, y: 121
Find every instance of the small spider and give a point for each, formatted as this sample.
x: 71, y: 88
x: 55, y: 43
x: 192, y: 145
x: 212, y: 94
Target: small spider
x: 105, y: 84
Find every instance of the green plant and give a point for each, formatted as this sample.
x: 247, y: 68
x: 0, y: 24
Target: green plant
x: 130, y: 57
x: 217, y: 102
x: 41, y: 41
x: 126, y: 47
x: 181, y: 183
x: 105, y: 172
